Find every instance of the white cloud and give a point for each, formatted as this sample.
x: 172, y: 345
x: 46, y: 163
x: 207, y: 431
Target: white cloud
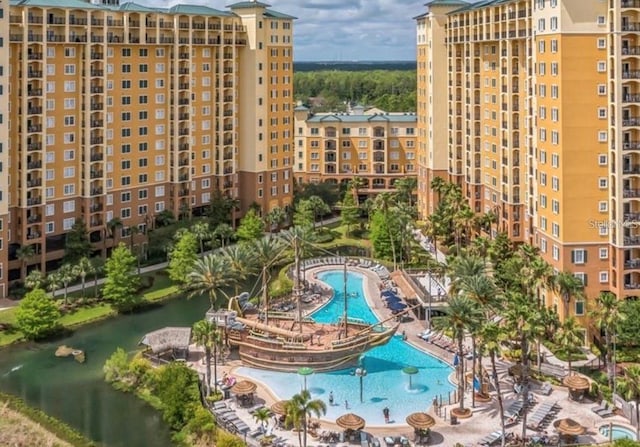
x: 343, y: 29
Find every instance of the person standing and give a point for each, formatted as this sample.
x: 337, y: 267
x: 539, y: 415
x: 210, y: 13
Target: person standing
x: 385, y: 412
x: 331, y: 398
x: 346, y: 404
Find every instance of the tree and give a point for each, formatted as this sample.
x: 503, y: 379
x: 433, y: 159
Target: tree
x: 183, y: 257
x: 607, y: 316
x: 492, y: 337
x: 241, y: 263
x: 113, y: 226
x: 569, y: 338
x: 262, y: 415
x: 67, y: 275
x: 220, y: 209
x: 304, y: 406
x: 77, y: 245
x: 349, y: 211
x: 54, y: 282
x: 267, y: 251
x: 83, y: 268
x: 97, y: 267
x: 275, y: 218
x: 121, y: 282
x: 210, y: 275
x: 24, y: 254
x: 303, y: 215
x: 382, y: 229
x: 205, y: 333
x: 37, y: 315
x: 329, y: 192
x: 116, y: 367
x: 224, y: 232
x: 202, y: 232
x: 176, y: 385
x: 460, y: 316
x: 355, y: 185
x: 405, y: 188
x: 568, y: 286
x: 34, y: 279
x: 629, y: 386
x: 251, y: 226
x: 320, y: 208
x: 165, y: 218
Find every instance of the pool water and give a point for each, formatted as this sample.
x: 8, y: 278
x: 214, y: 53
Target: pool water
x: 617, y: 432
x: 385, y: 385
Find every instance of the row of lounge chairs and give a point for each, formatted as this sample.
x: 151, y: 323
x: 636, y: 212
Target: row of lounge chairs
x: 541, y: 415
x: 444, y: 342
x: 493, y: 438
x: 603, y: 409
x: 317, y: 262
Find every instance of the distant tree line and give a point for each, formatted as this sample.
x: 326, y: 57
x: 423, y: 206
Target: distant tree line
x: 391, y: 91
x: 354, y: 66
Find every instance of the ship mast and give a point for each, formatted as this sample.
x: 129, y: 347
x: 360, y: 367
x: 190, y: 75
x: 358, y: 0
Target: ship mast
x: 296, y: 283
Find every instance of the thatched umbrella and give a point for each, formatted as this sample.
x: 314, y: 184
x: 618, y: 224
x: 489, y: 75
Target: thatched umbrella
x: 280, y: 407
x: 576, y: 382
x: 244, y: 387
x: 420, y: 421
x: 569, y: 427
x: 350, y: 421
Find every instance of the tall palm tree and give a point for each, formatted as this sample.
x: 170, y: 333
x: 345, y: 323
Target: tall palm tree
x: 405, y: 188
x: 210, y: 275
x: 629, y: 386
x: 356, y: 184
x: 461, y: 314
x: 204, y: 334
x: 606, y: 317
x: 24, y: 253
x: 439, y: 185
x: 297, y: 240
x: 492, y: 337
x: 54, y: 282
x: 67, y: 276
x: 223, y: 231
x: 568, y: 286
x: 462, y: 267
x: 275, y: 218
x: 569, y: 337
x: 83, y: 268
x: 112, y: 227
x: 462, y: 222
x: 201, y: 231
x: 241, y: 262
x: 305, y: 407
x: 97, y: 264
x: 34, y: 279
x: 383, y: 202
x: 319, y: 207
x: 268, y: 252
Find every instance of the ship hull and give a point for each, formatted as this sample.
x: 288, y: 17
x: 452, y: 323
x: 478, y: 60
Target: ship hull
x: 278, y: 358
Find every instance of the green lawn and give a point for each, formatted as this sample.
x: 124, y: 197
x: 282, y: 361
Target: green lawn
x: 86, y: 315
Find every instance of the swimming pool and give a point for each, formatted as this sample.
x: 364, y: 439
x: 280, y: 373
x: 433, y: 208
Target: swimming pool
x: 385, y: 385
x: 617, y: 432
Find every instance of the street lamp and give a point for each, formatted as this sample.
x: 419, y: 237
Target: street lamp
x: 361, y: 372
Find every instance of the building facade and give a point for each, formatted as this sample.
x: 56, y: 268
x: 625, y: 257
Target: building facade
x: 4, y: 145
x: 124, y: 111
x: 376, y: 146
x: 542, y: 120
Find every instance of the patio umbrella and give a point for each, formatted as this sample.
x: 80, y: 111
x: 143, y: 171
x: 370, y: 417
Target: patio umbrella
x: 304, y: 372
x: 244, y: 387
x: 576, y: 382
x: 420, y: 421
x: 569, y: 427
x: 280, y: 407
x: 410, y: 371
x: 350, y: 421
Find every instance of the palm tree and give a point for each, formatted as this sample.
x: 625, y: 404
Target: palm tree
x: 440, y: 186
x: 204, y: 334
x: 567, y: 285
x: 210, y: 275
x: 112, y: 227
x: 83, y: 268
x: 267, y: 251
x: 461, y: 314
x: 570, y: 337
x: 302, y: 405
x: 241, y: 262
x: 629, y: 386
x: 97, y: 265
x: 67, y: 275
x: 262, y: 416
x: 383, y: 203
x: 275, y: 218
x: 34, y: 279
x: 297, y: 239
x: 405, y: 188
x: 356, y: 184
x: 606, y: 316
x: 492, y: 337
x: 224, y: 232
x: 319, y: 207
x: 462, y: 267
x: 201, y: 231
x: 54, y: 282
x: 24, y: 254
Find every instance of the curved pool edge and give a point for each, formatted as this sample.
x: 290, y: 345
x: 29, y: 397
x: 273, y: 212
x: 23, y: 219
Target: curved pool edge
x: 630, y: 428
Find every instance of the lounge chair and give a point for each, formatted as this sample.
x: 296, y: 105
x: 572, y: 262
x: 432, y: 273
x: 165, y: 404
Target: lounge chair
x: 546, y: 389
x: 219, y: 405
x: 490, y: 439
x: 600, y: 407
x: 607, y: 411
x: 389, y: 441
x: 375, y: 442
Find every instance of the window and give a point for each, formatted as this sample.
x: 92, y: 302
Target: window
x: 579, y: 308
x: 603, y: 253
x: 579, y: 256
x: 603, y: 205
x: 67, y: 224
x: 602, y: 183
x: 602, y: 43
x: 601, y: 20
x: 604, y: 277
x: 69, y: 206
x: 555, y: 252
x: 602, y: 136
x: 602, y: 159
x: 602, y: 66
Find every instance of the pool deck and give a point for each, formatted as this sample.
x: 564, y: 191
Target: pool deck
x: 467, y: 432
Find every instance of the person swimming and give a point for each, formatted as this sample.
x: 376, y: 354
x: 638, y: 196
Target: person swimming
x: 331, y: 398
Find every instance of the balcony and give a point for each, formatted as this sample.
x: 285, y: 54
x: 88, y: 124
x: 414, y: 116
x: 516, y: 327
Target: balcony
x: 97, y: 123
x: 33, y: 201
x: 630, y: 3
x: 34, y: 164
x: 631, y: 26
x: 35, y: 183
x: 34, y: 92
x: 630, y: 121
x: 631, y: 98
x: 96, y: 174
x: 96, y: 191
x: 183, y: 192
x: 34, y: 110
x: 34, y: 128
x: 34, y: 74
x: 631, y: 74
x: 97, y: 73
x: 634, y: 169
x: 96, y: 140
x: 33, y: 235
x: 34, y: 147
x: 34, y: 218
x: 97, y: 157
x: 97, y: 106
x: 630, y: 193
x: 95, y: 208
x: 631, y: 145
x: 34, y: 56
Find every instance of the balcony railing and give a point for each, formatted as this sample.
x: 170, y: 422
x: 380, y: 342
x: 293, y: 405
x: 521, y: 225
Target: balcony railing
x: 631, y: 192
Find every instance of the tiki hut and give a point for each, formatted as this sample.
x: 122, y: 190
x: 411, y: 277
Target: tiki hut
x: 350, y: 421
x: 569, y: 429
x: 171, y: 341
x: 420, y: 421
x: 280, y: 407
x: 577, y: 385
x: 244, y: 392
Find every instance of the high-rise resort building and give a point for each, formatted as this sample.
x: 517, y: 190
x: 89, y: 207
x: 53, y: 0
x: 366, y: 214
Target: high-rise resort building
x: 377, y: 146
x: 122, y: 111
x: 533, y: 107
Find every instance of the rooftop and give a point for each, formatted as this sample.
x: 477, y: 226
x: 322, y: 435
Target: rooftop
x: 167, y: 338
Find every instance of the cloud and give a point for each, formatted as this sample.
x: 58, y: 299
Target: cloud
x: 330, y: 30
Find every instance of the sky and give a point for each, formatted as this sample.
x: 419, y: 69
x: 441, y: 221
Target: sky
x: 342, y: 30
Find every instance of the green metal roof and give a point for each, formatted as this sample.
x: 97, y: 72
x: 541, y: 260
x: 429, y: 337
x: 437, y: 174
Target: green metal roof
x: 447, y: 3
x: 197, y: 10
x: 270, y: 13
x: 132, y: 6
x: 248, y: 4
x: 345, y: 118
x: 75, y: 4
x: 480, y: 4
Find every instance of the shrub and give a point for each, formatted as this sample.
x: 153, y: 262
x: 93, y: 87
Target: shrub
x: 225, y: 439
